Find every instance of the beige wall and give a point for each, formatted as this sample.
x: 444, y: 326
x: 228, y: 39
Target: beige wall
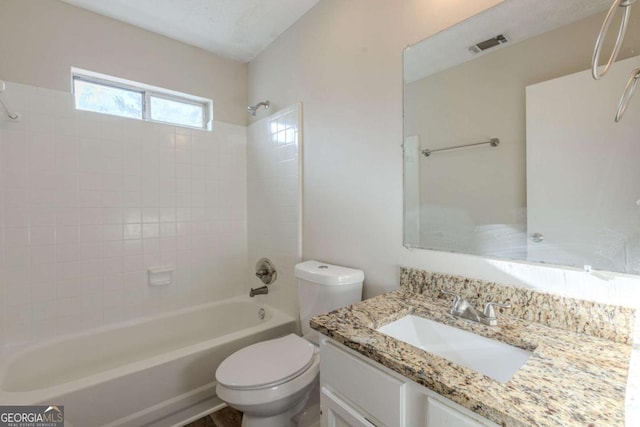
x: 41, y: 40
x: 343, y: 60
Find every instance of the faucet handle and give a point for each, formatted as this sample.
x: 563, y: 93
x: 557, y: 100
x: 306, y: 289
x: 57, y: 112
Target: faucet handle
x: 489, y: 310
x: 456, y: 298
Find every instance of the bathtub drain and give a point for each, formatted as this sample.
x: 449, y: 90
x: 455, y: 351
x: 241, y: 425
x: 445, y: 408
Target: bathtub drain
x: 261, y: 314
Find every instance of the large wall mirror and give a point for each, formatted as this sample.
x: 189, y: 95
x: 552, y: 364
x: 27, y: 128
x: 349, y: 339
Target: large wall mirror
x: 546, y: 174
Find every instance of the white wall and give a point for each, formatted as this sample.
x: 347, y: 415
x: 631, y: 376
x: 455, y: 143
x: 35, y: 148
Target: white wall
x: 89, y: 202
x: 587, y: 215
x: 343, y: 59
x: 41, y: 40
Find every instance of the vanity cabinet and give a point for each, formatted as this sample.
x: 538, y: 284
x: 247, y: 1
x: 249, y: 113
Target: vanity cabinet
x: 338, y: 413
x: 356, y: 391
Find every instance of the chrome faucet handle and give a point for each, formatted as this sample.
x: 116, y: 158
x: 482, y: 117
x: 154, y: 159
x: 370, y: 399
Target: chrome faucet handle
x: 489, y: 308
x: 456, y: 299
x: 266, y: 271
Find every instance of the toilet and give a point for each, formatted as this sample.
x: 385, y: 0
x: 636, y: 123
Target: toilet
x: 271, y: 382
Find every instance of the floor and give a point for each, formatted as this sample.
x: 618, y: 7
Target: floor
x: 225, y: 417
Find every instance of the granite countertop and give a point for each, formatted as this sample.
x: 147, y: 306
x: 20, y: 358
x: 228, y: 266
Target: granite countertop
x: 571, y: 378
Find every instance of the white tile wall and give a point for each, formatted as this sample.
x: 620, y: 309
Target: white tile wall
x: 274, y: 202
x: 89, y: 202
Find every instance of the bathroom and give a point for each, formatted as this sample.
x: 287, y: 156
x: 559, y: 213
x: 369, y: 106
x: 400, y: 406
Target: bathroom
x: 341, y: 63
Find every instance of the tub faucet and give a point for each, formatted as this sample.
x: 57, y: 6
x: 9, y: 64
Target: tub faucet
x: 462, y: 308
x: 259, y: 291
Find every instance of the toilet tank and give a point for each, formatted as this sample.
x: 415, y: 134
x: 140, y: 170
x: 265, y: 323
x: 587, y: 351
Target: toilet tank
x: 323, y: 288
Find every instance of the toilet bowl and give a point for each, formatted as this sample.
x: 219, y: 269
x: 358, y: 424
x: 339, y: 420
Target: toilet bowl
x: 273, y: 381
x: 270, y: 381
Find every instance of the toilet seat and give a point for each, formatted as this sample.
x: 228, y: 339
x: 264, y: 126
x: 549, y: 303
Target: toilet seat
x: 266, y: 364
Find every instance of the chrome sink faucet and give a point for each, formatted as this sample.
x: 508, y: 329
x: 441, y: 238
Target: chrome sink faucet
x: 462, y: 308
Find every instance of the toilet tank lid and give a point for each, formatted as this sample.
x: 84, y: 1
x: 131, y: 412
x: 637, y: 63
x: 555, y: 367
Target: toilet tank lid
x: 328, y: 274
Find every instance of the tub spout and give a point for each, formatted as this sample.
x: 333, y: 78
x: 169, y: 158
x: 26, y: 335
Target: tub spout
x: 259, y: 291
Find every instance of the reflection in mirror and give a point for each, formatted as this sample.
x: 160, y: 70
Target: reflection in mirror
x: 561, y: 186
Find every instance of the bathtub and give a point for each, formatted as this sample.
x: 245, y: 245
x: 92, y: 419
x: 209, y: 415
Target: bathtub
x: 158, y: 371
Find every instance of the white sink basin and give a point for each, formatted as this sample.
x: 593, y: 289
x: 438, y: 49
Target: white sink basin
x: 492, y: 358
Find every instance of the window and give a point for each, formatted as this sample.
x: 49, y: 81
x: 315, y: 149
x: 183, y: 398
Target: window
x: 101, y: 98
x: 110, y: 95
x: 178, y: 111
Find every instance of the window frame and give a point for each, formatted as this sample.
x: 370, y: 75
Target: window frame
x: 146, y: 92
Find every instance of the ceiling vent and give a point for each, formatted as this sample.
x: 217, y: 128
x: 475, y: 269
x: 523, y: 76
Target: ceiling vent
x: 489, y: 43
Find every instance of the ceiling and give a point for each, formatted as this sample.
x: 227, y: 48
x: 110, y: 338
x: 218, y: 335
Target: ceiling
x: 236, y: 29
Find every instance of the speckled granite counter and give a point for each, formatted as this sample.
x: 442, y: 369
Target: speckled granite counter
x: 571, y: 378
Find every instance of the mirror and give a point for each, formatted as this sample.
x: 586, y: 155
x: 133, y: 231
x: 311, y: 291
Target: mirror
x: 546, y: 175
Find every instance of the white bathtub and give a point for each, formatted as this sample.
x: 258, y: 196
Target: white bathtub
x: 158, y: 371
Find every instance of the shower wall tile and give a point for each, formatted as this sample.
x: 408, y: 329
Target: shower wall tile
x: 88, y: 203
x: 274, y: 200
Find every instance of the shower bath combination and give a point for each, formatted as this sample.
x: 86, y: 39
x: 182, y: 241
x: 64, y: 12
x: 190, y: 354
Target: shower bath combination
x: 253, y: 108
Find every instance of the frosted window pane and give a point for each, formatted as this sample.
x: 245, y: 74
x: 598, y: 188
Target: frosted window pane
x: 176, y: 112
x: 106, y: 99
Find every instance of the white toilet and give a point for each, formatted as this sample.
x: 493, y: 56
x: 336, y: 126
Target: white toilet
x: 271, y: 381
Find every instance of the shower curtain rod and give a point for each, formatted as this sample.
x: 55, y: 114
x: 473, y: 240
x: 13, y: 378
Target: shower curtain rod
x: 14, y: 116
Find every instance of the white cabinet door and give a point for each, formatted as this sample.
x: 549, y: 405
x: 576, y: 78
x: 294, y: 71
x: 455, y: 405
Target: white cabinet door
x: 375, y: 392
x: 338, y: 413
x: 442, y: 415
